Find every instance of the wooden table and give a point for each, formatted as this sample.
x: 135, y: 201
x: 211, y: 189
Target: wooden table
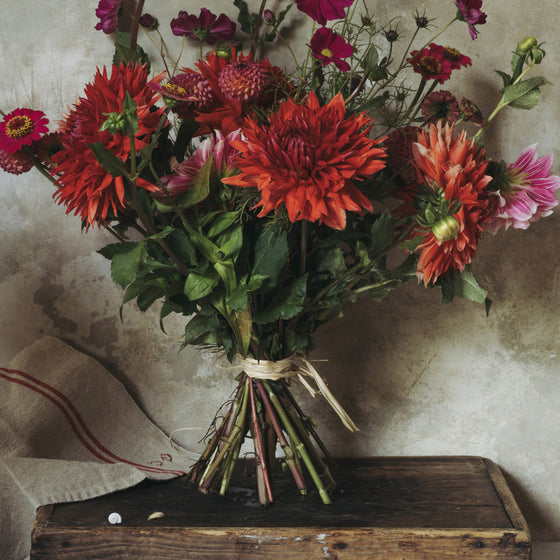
x: 391, y: 508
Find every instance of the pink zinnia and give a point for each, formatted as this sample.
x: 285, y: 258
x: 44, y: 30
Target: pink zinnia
x: 21, y: 128
x: 324, y: 10
x: 206, y: 27
x: 469, y: 11
x: 526, y: 194
x: 108, y: 13
x: 216, y: 146
x: 328, y: 46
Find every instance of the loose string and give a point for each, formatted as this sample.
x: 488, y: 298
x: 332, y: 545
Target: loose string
x: 298, y: 366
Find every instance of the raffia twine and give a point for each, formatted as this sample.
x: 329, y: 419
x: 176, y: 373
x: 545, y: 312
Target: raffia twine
x: 296, y: 366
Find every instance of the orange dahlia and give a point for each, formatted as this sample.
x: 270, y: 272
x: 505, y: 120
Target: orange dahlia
x: 85, y: 187
x: 307, y: 158
x: 452, y: 173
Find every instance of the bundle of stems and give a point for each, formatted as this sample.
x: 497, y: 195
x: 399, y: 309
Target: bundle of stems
x: 267, y: 412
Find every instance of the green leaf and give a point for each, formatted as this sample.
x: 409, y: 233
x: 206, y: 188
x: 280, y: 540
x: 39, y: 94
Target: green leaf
x: 523, y: 95
x: 332, y: 261
x: 506, y: 78
x: 148, y: 296
x: 466, y: 286
x: 271, y: 254
x: 222, y: 222
x: 110, y: 162
x: 124, y: 54
x: 245, y: 18
x: 283, y: 307
x: 165, y: 232
x: 199, y: 189
x: 370, y: 59
x: 199, y: 326
x: 130, y: 110
x: 199, y: 285
x: 125, y: 266
x: 382, y: 233
x: 231, y: 241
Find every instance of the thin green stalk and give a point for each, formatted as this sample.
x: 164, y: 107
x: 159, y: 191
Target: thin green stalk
x: 299, y: 446
x: 288, y: 451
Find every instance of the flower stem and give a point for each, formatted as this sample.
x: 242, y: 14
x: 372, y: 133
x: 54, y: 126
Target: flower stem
x: 136, y: 24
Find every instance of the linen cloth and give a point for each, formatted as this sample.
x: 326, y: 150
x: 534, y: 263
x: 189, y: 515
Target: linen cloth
x: 69, y: 431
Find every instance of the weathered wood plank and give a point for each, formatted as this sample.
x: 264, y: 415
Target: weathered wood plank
x: 404, y: 508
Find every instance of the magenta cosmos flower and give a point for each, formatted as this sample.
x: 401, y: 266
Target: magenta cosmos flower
x: 216, y: 146
x: 328, y: 46
x: 469, y: 11
x: 206, y: 27
x: 108, y: 13
x: 21, y: 128
x: 324, y: 10
x: 526, y: 194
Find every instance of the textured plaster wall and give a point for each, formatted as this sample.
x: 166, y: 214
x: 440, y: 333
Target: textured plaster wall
x: 418, y: 377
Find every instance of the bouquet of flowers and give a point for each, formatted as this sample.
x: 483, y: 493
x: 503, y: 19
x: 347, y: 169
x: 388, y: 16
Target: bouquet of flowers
x: 258, y: 201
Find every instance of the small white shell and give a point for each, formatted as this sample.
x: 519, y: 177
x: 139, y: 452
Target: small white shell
x: 114, y: 518
x: 156, y: 515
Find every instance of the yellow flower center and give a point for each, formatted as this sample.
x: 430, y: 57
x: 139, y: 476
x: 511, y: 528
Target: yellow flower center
x: 175, y: 89
x: 19, y: 126
x: 327, y: 53
x: 430, y: 64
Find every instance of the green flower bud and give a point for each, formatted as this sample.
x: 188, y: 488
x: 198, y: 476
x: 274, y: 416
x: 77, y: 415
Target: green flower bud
x: 114, y: 123
x: 223, y: 52
x: 527, y: 44
x: 446, y: 229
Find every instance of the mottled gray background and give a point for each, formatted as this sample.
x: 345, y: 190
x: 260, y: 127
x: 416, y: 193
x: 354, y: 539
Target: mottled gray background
x: 418, y: 377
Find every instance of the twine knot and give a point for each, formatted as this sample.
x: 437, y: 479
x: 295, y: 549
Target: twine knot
x: 298, y: 366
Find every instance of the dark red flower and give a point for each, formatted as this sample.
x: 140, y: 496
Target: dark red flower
x: 307, y: 158
x: 239, y: 84
x: 469, y: 11
x: 456, y: 59
x: 471, y: 113
x: 85, y: 187
x: 328, y: 46
x: 440, y: 106
x: 21, y: 128
x: 108, y: 13
x: 206, y: 27
x: 186, y: 93
x: 431, y: 64
x: 324, y: 10
x: 17, y: 162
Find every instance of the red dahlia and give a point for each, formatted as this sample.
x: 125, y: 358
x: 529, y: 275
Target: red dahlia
x: 454, y: 168
x: 307, y: 158
x: 84, y: 185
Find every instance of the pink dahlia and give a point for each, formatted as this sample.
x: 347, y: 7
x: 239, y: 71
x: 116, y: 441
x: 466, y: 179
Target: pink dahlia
x: 21, y: 128
x: 108, y: 13
x: 469, y: 11
x: 324, y: 10
x: 328, y: 46
x: 16, y: 163
x: 526, y: 192
x: 216, y: 146
x: 206, y: 27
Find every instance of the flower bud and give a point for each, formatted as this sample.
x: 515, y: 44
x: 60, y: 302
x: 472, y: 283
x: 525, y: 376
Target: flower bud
x: 527, y: 44
x: 537, y: 55
x: 446, y: 229
x: 269, y: 17
x: 148, y: 21
x: 115, y: 122
x: 391, y: 35
x: 223, y: 52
